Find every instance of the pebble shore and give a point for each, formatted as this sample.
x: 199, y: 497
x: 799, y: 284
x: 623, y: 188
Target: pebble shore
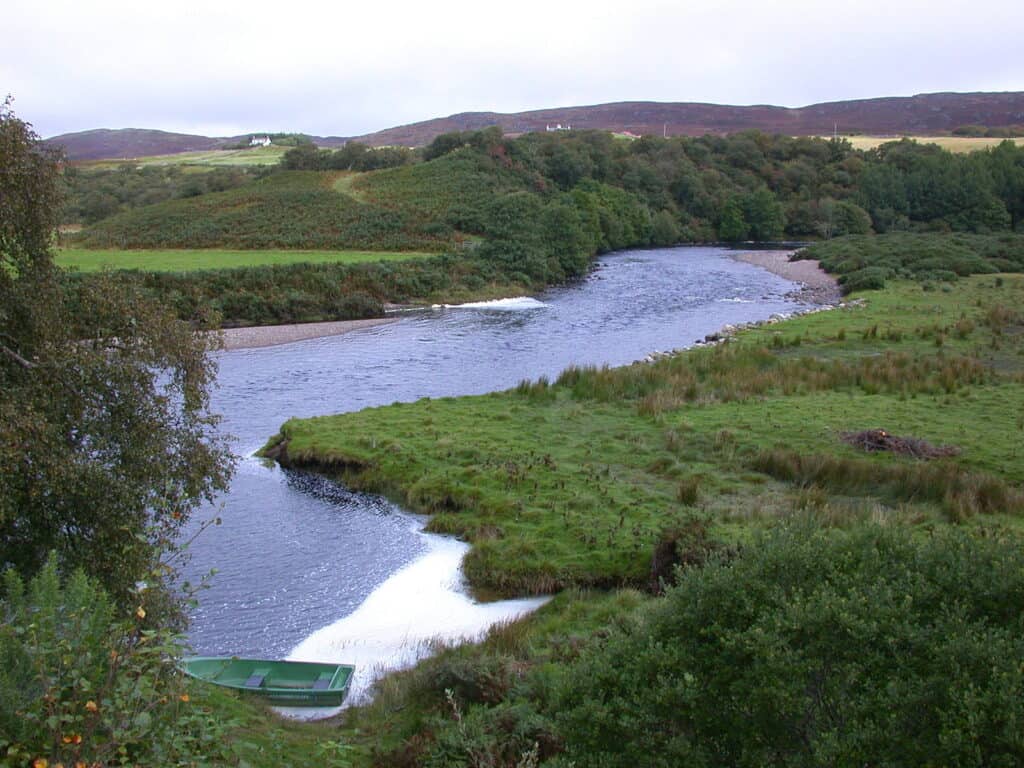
x: 819, y: 287
x: 271, y: 335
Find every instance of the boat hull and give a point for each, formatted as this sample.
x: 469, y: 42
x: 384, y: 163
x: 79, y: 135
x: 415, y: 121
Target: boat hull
x: 285, y: 683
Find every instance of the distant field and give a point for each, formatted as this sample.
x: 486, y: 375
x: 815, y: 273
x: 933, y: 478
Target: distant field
x: 951, y: 143
x: 210, y: 158
x: 85, y: 260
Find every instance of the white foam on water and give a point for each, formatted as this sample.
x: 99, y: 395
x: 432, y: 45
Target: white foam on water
x: 737, y: 300
x: 404, y: 619
x: 507, y: 305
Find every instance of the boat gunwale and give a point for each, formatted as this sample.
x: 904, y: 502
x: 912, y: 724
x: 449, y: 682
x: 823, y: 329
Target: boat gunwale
x: 303, y: 694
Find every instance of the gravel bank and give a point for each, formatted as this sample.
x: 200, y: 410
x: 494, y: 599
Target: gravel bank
x: 270, y: 335
x: 819, y: 286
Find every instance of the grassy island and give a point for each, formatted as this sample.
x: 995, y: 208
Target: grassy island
x: 738, y: 436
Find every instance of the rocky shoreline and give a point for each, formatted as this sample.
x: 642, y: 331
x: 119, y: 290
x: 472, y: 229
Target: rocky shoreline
x: 818, y: 288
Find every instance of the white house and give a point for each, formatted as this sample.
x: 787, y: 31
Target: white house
x: 260, y: 141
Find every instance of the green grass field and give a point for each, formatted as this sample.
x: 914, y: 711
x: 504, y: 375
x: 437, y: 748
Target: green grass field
x: 85, y: 260
x: 213, y: 158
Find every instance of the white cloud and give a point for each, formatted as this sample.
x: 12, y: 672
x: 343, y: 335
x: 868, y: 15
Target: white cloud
x: 232, y: 66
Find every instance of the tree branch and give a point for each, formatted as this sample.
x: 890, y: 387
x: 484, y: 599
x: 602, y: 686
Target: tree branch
x: 26, y: 364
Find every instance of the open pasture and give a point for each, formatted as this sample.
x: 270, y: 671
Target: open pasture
x: 214, y: 158
x: 187, y: 260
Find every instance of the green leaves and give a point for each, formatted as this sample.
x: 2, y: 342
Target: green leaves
x: 105, y: 446
x: 79, y: 683
x: 814, y: 648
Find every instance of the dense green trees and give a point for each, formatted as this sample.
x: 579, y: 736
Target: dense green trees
x: 106, y: 442
x: 731, y: 225
x: 756, y: 186
x: 1006, y: 165
x: 907, y: 184
x: 354, y: 156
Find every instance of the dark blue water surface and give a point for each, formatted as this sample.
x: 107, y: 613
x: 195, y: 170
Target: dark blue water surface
x: 296, y: 552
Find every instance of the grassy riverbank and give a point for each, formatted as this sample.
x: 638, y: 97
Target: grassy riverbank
x: 572, y: 483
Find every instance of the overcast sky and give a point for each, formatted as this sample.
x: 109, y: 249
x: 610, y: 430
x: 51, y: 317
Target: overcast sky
x: 226, y: 67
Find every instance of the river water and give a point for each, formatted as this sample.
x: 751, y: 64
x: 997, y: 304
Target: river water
x: 308, y: 568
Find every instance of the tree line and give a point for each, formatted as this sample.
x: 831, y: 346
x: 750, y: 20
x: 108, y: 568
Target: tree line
x: 534, y: 210
x: 746, y: 186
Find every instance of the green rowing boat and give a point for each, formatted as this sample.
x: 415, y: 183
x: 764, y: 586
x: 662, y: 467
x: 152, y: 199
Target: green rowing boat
x: 287, y: 683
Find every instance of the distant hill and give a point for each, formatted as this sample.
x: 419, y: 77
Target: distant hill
x: 107, y: 144
x: 932, y: 113
x: 925, y: 114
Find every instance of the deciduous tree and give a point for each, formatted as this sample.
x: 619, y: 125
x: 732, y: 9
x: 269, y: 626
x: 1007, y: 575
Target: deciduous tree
x: 107, y: 443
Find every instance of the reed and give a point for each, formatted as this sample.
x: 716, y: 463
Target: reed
x: 962, y: 493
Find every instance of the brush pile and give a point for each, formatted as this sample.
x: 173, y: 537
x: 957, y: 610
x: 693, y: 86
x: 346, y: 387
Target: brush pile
x: 874, y: 440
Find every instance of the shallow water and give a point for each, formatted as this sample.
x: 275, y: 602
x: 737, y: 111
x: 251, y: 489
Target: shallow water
x: 307, y: 567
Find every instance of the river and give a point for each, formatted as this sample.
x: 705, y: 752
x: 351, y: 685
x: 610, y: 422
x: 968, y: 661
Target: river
x: 308, y: 568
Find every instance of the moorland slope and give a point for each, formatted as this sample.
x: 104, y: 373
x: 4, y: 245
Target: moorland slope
x: 923, y: 114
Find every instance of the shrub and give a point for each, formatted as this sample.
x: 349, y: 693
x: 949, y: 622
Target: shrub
x: 866, y: 262
x: 869, y: 278
x: 866, y: 647
x: 961, y: 492
x: 78, y: 684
